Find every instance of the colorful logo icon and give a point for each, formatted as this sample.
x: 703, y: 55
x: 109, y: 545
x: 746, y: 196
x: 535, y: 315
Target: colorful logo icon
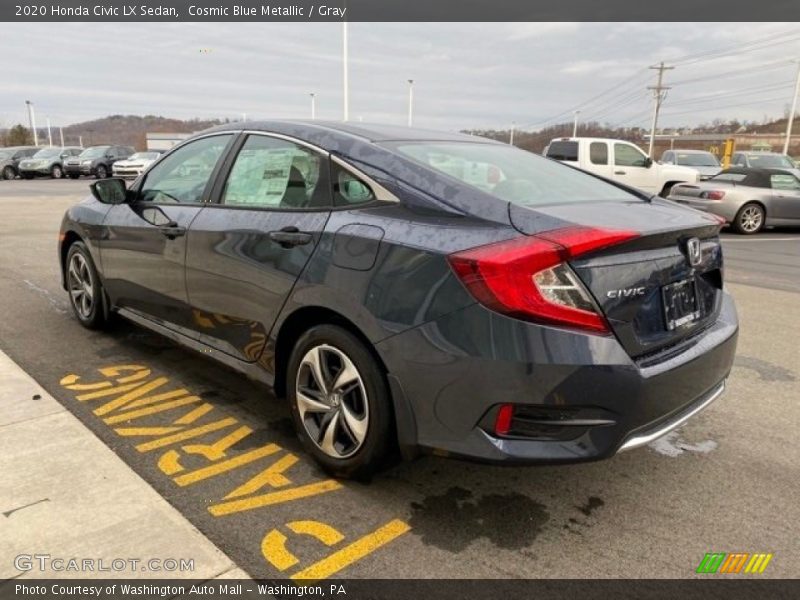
x: 734, y: 562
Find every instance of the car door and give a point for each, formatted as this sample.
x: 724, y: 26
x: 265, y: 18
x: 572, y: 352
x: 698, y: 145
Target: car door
x: 632, y: 168
x: 599, y: 159
x: 246, y: 251
x: 785, y: 196
x: 143, y: 247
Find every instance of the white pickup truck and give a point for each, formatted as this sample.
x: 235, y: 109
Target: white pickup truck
x: 621, y: 161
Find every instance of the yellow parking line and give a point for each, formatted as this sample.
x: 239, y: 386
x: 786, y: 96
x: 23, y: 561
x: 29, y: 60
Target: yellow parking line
x: 312, y: 489
x: 143, y: 412
x: 227, y: 465
x: 186, y: 435
x: 353, y: 552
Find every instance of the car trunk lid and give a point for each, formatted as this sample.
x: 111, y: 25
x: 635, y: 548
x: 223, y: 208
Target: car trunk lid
x: 647, y: 288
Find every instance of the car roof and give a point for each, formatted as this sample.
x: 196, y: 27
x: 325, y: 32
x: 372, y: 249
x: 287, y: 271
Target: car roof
x: 760, y: 152
x: 371, y: 132
x: 688, y: 151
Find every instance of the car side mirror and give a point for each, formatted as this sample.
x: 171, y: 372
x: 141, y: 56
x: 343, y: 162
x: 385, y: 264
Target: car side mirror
x: 648, y: 162
x: 110, y: 191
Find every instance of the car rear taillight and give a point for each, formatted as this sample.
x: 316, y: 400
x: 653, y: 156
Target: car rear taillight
x: 529, y: 278
x: 713, y: 195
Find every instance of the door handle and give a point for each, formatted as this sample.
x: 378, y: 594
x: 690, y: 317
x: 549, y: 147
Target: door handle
x: 619, y: 172
x: 291, y: 236
x: 172, y: 230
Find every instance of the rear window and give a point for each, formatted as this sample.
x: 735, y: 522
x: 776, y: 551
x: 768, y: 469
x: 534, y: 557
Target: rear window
x: 563, y: 150
x: 511, y: 174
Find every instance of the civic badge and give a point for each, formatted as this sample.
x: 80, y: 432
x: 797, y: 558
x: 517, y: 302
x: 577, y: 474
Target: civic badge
x: 693, y: 251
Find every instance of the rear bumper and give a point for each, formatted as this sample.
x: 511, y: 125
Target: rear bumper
x: 455, y: 371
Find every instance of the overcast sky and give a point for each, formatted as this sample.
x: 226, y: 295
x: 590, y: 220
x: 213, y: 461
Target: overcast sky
x: 467, y: 75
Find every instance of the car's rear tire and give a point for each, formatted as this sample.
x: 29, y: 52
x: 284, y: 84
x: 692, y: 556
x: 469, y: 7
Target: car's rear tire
x: 750, y: 219
x: 84, y: 287
x: 56, y: 172
x: 73, y: 175
x: 101, y: 172
x: 9, y: 173
x: 344, y: 422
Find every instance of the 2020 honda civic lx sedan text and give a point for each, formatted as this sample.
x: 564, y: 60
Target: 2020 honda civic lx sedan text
x: 416, y: 291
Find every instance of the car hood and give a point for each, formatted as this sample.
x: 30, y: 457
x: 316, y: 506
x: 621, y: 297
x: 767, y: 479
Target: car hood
x: 133, y: 163
x: 707, y: 171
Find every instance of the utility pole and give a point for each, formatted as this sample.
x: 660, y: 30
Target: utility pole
x: 659, y: 93
x: 80, y: 141
x: 410, y: 102
x: 511, y: 137
x: 345, y: 78
x: 49, y: 134
x: 32, y: 122
x: 791, y: 114
x: 575, y: 124
x: 61, y: 134
x: 313, y: 106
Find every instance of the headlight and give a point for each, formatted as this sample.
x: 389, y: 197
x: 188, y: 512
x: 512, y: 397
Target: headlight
x: 86, y: 162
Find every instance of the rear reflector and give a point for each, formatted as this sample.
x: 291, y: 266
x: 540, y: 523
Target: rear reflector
x: 529, y: 278
x: 502, y: 424
x: 713, y: 195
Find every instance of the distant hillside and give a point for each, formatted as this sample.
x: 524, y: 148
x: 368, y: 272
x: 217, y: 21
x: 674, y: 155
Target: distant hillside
x: 130, y: 129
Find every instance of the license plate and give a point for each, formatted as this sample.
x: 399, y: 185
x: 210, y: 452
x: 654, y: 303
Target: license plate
x: 680, y: 303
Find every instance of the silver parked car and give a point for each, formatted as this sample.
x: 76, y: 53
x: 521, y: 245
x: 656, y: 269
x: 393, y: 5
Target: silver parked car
x: 748, y: 199
x: 701, y: 161
x: 47, y: 162
x: 764, y: 160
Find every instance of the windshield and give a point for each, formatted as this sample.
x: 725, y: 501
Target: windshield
x: 95, y: 152
x: 144, y: 156
x: 778, y: 161
x: 511, y: 174
x: 704, y: 159
x: 48, y: 153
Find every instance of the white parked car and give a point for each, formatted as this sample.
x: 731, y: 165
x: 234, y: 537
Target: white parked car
x: 620, y: 161
x: 133, y: 166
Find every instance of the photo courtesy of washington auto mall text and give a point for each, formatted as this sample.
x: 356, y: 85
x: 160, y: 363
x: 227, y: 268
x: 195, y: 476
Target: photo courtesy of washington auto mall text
x: 397, y: 299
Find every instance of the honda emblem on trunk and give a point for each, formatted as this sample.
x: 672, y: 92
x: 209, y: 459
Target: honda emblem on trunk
x: 693, y: 251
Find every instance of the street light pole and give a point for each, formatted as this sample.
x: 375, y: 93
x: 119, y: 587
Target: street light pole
x: 345, y: 78
x: 32, y: 122
x: 791, y: 114
x: 511, y: 137
x: 410, y: 102
x: 61, y: 134
x: 313, y: 106
x: 575, y: 124
x: 49, y: 134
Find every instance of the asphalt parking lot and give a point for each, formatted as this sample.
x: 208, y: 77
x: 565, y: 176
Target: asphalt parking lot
x: 728, y: 481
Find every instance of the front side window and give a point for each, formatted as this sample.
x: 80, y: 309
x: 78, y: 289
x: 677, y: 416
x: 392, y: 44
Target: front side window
x: 628, y: 156
x: 511, y: 174
x: 183, y: 175
x: 598, y: 153
x: 780, y: 181
x: 278, y: 174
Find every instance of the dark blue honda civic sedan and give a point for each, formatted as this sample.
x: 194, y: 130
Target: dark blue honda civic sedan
x: 409, y: 290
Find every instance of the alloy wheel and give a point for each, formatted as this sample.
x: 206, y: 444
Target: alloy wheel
x: 57, y: 172
x: 751, y: 219
x: 332, y: 401
x: 81, y: 285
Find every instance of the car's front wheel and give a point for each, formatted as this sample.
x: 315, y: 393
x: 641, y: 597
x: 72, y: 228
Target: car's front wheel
x: 749, y: 219
x: 56, y: 172
x: 9, y: 173
x: 340, y: 402
x: 101, y: 172
x: 84, y: 287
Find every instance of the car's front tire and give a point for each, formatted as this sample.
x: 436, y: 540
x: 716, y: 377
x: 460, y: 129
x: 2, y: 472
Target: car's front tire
x: 9, y: 173
x: 340, y: 402
x: 84, y: 287
x: 749, y: 219
x: 56, y: 172
x: 101, y: 172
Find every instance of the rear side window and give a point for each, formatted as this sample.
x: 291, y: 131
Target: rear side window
x: 278, y: 174
x: 349, y: 190
x: 598, y: 153
x: 563, y: 150
x: 511, y: 174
